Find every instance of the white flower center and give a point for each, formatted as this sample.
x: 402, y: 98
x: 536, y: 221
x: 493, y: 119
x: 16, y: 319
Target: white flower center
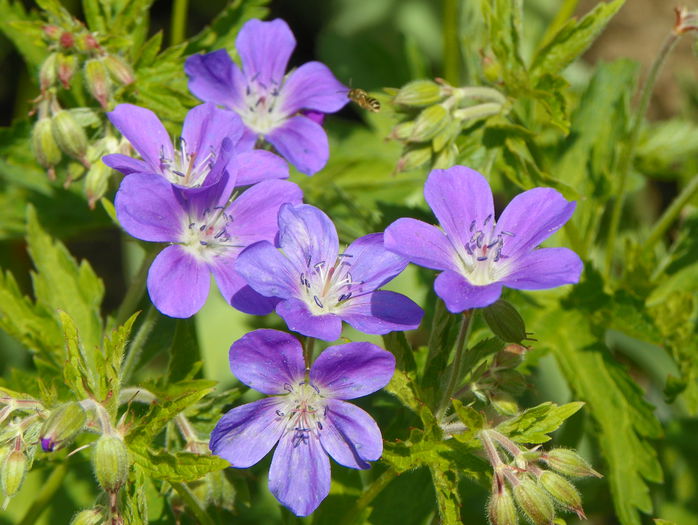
x: 185, y: 168
x: 262, y: 107
x: 481, y: 259
x: 207, y: 236
x: 328, y: 287
x: 304, y: 409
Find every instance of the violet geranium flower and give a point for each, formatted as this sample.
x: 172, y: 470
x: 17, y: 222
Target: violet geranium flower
x: 319, y: 287
x: 307, y: 415
x: 206, y: 228
x: 477, y: 255
x: 272, y: 105
x: 189, y: 164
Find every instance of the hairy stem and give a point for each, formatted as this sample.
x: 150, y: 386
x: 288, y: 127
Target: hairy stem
x: 48, y: 490
x: 179, y: 22
x: 463, y: 334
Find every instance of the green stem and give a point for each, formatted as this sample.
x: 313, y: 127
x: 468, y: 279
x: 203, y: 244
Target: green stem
x: 669, y: 216
x: 191, y: 502
x: 48, y: 490
x: 135, y: 349
x: 308, y: 351
x: 628, y: 152
x: 179, y: 22
x: 135, y: 290
x: 368, y: 496
x: 451, y: 51
x: 453, y: 379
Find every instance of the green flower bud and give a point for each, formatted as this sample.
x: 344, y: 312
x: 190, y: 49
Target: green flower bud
x: 510, y: 356
x: 98, y: 81
x: 430, y: 122
x: 501, y: 509
x: 563, y: 491
x: 119, y: 69
x: 419, y: 93
x: 445, y: 137
x: 69, y: 135
x: 97, y: 182
x: 504, y: 403
x: 67, y: 65
x: 12, y: 472
x: 110, y: 462
x: 402, y: 131
x: 62, y: 426
x: 446, y: 157
x: 95, y: 516
x: 45, y: 147
x: 569, y: 463
x: 484, y: 110
x: 534, y: 502
x: 48, y: 71
x: 505, y: 321
x: 413, y: 157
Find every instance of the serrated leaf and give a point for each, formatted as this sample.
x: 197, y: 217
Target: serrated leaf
x: 534, y: 424
x: 185, y: 354
x: 179, y: 467
x: 24, y: 31
x: 397, y: 344
x: 444, y: 328
x: 77, y: 372
x: 473, y: 420
x: 447, y: 496
x: 108, y: 361
x: 148, y: 51
x: 403, y: 386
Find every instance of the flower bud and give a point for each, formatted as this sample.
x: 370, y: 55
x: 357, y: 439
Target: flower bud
x: 563, y: 491
x: 446, y: 157
x: 45, y: 147
x: 119, y: 69
x: 534, y: 502
x: 501, y: 509
x: 413, y: 157
x: 110, y: 462
x: 512, y: 381
x: 402, y: 131
x: 419, y: 93
x: 505, y: 322
x: 66, y: 40
x: 69, y: 135
x: 62, y: 426
x: 12, y: 472
x: 97, y: 79
x: 67, y: 65
x: 430, y: 122
x: 569, y: 463
x: 510, y: 356
x: 47, y: 71
x: 51, y: 31
x: 504, y: 403
x: 95, y: 516
x: 97, y: 182
x: 484, y: 110
x: 88, y: 42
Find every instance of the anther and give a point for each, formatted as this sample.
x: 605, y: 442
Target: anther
x: 288, y: 387
x: 317, y: 301
x: 280, y: 413
x: 508, y: 233
x: 472, y: 226
x: 487, y: 219
x: 484, y: 258
x: 203, y: 243
x: 302, y: 279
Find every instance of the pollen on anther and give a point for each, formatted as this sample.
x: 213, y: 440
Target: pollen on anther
x: 317, y: 301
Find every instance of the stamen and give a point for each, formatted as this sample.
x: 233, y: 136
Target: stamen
x: 472, y: 226
x: 280, y: 413
x: 317, y: 301
x: 487, y: 219
x: 288, y: 387
x: 508, y: 233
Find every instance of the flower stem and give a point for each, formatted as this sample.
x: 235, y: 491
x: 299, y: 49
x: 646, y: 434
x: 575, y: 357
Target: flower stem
x: 671, y: 213
x: 135, y: 349
x: 451, y: 51
x: 463, y: 334
x: 179, y: 22
x: 368, y: 496
x: 308, y: 352
x: 135, y: 290
x: 48, y: 490
x: 190, y: 501
x: 628, y: 153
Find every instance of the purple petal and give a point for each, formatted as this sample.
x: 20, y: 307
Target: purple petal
x: 143, y: 129
x: 245, y: 434
x: 313, y: 86
x: 458, y: 196
x: 148, y: 208
x: 267, y: 271
x: 125, y: 164
x: 315, y: 116
x: 350, y: 435
x: 247, y: 300
x: 264, y: 49
x: 421, y: 243
x: 267, y: 360
x: 258, y: 165
x: 459, y: 294
x: 235, y: 290
x: 299, y: 475
x: 303, y: 142
x: 352, y: 370
x: 532, y: 216
x: 300, y: 319
x: 545, y: 268
x: 178, y: 283
x: 371, y: 263
x: 214, y: 77
x: 205, y: 127
x: 307, y: 236
x: 382, y: 312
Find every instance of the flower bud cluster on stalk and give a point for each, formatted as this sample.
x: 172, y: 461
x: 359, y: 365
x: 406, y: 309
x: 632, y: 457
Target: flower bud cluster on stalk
x: 433, y: 115
x: 522, y: 481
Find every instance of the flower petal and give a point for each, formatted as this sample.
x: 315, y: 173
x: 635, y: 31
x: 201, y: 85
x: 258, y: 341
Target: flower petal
x: 236, y: 291
x: 264, y: 49
x: 205, y: 127
x: 545, y: 268
x: 458, y: 196
x: 313, y: 86
x: 266, y: 360
x: 350, y: 435
x: 421, y: 243
x: 125, y: 164
x: 258, y: 165
x: 148, y: 208
x: 381, y: 312
x: 299, y: 475
x: 245, y: 434
x: 459, y: 294
x: 143, y: 129
x: 267, y: 271
x: 303, y: 142
x: 532, y: 216
x: 307, y: 236
x: 178, y: 283
x: 352, y: 370
x: 214, y: 77
x: 300, y: 319
x: 371, y: 263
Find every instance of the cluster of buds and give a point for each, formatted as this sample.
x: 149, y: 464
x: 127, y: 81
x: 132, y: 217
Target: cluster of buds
x: 499, y: 383
x: 523, y: 482
x: 434, y: 114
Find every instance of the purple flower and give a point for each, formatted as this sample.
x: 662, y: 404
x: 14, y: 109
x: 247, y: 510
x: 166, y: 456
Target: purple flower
x: 320, y: 287
x: 477, y: 255
x: 189, y: 164
x: 206, y: 228
x: 272, y: 105
x: 307, y: 415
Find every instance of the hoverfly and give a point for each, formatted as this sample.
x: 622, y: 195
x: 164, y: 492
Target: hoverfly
x: 364, y: 100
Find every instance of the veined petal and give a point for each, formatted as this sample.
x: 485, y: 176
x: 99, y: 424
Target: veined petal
x: 307, y: 236
x: 371, y: 263
x: 299, y: 475
x: 205, y: 127
x: 245, y: 434
x: 267, y: 360
x: 350, y: 435
x: 236, y: 291
x: 381, y: 312
x: 264, y: 49
x: 533, y: 216
x: 352, y: 370
x: 267, y: 271
x: 178, y: 283
x: 258, y: 165
x: 300, y: 319
x: 313, y: 86
x: 125, y: 164
x: 303, y: 142
x: 214, y: 77
x: 545, y: 268
x: 459, y: 294
x: 143, y: 129
x: 458, y: 196
x: 148, y: 208
x: 421, y: 243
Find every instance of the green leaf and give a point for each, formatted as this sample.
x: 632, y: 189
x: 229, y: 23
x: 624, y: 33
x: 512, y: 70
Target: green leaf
x: 185, y: 354
x: 447, y: 495
x: 503, y: 19
x: 147, y: 53
x: 93, y: 16
x: 24, y: 31
x: 77, y: 372
x: 108, y: 362
x: 182, y: 467
x: 444, y: 329
x: 397, y: 344
x: 403, y: 386
x: 534, y: 424
x: 473, y: 420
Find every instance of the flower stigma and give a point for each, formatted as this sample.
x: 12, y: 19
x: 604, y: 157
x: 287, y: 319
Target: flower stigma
x: 304, y: 409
